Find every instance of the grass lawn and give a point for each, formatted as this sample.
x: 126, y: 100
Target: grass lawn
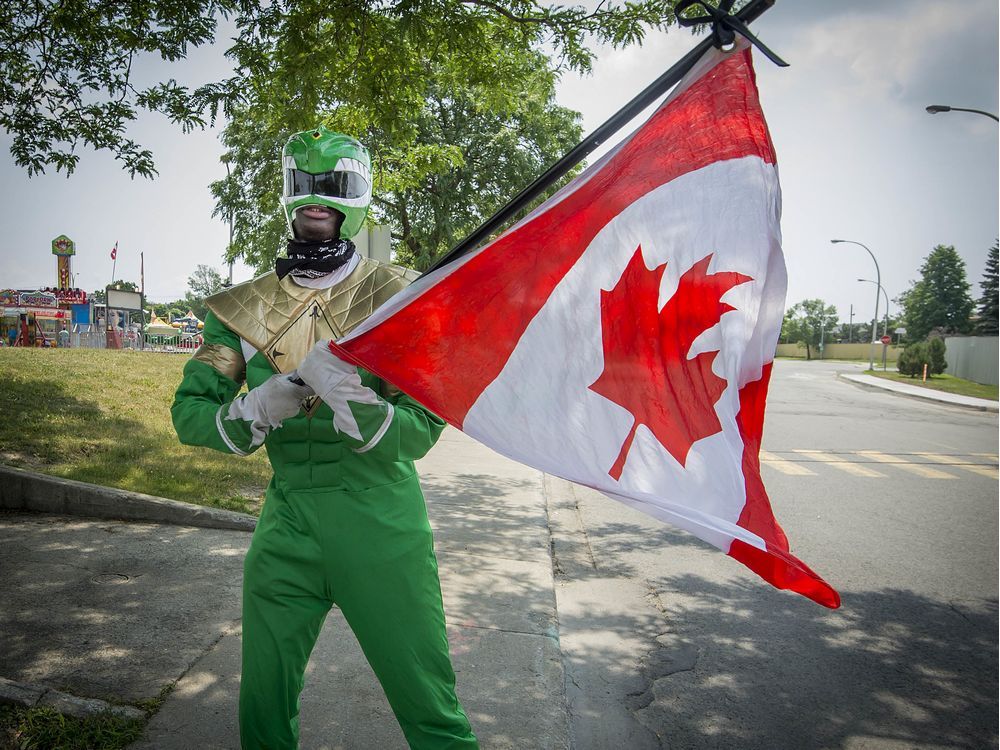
x: 946, y: 383
x: 45, y: 729
x: 103, y: 417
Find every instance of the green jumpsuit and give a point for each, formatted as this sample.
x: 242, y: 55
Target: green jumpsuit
x: 343, y: 523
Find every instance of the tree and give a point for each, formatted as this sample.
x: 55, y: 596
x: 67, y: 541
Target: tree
x: 940, y: 299
x: 498, y: 148
x: 66, y: 68
x: 66, y: 76
x: 862, y: 331
x: 168, y: 311
x: 916, y: 356
x: 935, y: 355
x: 808, y: 323
x: 986, y: 325
x: 205, y: 281
x: 465, y: 153
x: 912, y: 359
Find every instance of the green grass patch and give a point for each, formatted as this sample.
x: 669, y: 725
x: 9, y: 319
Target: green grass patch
x: 46, y: 729
x: 946, y: 383
x: 103, y: 417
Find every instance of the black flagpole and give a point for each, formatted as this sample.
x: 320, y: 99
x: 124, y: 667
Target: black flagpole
x: 723, y: 33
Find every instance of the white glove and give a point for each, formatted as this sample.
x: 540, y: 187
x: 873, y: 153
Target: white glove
x: 324, y: 371
x: 269, y: 404
x: 337, y: 382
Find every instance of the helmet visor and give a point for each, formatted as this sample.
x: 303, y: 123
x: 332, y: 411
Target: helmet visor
x: 333, y: 184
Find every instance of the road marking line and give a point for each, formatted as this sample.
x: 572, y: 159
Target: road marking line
x: 986, y: 471
x: 919, y: 469
x: 840, y: 463
x: 785, y: 467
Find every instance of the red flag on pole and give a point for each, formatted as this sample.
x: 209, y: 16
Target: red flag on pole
x: 114, y: 251
x: 622, y: 335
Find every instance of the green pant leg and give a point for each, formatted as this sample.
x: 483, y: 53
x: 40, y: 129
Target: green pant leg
x: 399, y: 621
x: 388, y: 589
x: 283, y: 612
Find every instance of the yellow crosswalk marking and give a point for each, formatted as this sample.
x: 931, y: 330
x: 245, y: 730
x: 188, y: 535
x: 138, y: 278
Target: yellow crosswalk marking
x: 903, y: 463
x: 841, y: 463
x: 858, y: 463
x: 957, y: 461
x: 785, y: 467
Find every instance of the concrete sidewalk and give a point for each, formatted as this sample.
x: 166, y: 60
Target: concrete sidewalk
x: 123, y: 610
x: 916, y: 391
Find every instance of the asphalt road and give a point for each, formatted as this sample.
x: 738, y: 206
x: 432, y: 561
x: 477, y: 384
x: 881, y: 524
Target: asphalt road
x: 670, y: 644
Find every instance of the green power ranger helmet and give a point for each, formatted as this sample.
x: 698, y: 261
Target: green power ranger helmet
x: 327, y: 169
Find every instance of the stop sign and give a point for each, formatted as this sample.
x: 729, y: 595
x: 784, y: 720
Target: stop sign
x: 886, y: 340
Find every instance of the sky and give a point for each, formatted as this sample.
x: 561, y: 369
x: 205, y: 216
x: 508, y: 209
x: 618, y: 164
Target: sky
x: 859, y: 157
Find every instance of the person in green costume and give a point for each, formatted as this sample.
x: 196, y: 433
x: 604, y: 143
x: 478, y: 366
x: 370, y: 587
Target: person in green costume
x: 344, y: 521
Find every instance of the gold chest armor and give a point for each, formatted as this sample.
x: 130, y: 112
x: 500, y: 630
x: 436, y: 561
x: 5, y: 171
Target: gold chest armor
x: 283, y: 320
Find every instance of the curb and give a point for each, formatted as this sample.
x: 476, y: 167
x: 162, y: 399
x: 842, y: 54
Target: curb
x: 29, y: 695
x: 28, y: 490
x: 985, y: 405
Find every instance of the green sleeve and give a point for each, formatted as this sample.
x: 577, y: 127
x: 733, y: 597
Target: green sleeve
x: 212, y: 378
x: 396, y: 428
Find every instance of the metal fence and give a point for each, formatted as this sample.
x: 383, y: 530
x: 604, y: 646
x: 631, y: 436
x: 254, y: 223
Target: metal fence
x: 973, y: 358
x: 88, y: 340
x: 169, y: 344
x: 182, y: 344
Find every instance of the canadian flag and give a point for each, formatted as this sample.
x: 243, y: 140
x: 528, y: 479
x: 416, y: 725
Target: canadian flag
x: 114, y: 251
x: 621, y: 336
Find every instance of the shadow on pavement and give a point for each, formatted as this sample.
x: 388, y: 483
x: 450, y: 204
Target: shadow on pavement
x: 112, y: 610
x: 740, y: 665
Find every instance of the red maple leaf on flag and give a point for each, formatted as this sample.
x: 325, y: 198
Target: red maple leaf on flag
x: 646, y: 367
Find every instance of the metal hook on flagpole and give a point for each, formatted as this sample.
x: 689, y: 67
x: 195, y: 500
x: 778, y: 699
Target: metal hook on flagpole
x: 725, y: 26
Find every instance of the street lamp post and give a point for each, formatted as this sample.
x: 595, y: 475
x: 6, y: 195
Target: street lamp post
x: 885, y: 321
x: 933, y: 109
x: 885, y: 324
x: 229, y: 249
x: 878, y: 276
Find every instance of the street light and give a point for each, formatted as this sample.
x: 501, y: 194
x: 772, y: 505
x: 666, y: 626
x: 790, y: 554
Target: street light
x: 885, y: 325
x: 878, y: 276
x: 229, y: 249
x: 935, y: 108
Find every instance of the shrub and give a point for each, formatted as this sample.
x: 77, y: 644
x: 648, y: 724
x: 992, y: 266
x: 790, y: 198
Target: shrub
x: 935, y: 356
x: 912, y: 359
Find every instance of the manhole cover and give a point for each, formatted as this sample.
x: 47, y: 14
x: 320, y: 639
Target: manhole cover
x: 110, y: 578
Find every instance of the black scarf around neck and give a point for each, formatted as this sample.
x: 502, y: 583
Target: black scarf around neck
x: 311, y: 259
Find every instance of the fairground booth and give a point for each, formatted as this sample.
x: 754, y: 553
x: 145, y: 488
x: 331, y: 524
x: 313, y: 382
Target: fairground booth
x: 48, y: 316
